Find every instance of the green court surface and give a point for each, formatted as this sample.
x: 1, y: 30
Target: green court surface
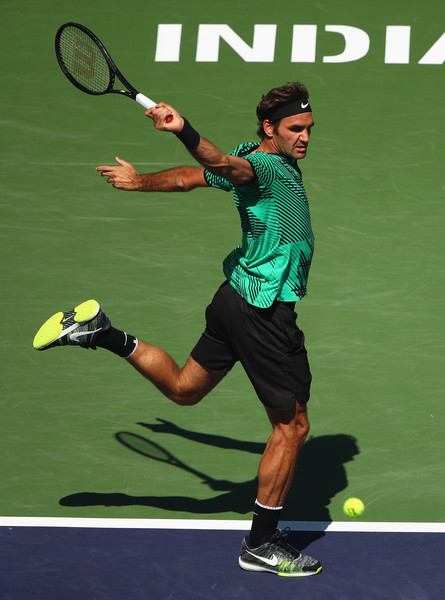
x: 373, y: 318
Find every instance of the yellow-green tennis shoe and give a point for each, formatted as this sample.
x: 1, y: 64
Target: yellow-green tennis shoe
x: 78, y: 327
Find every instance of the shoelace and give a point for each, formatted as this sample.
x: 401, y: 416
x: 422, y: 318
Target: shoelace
x: 289, y: 550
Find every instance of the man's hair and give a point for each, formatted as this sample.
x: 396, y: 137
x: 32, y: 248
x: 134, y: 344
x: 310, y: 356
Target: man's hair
x: 279, y: 96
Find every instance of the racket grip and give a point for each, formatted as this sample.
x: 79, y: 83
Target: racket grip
x: 144, y: 101
x: 147, y: 103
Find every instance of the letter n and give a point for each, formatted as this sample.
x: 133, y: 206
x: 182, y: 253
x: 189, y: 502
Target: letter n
x: 436, y: 54
x: 262, y: 49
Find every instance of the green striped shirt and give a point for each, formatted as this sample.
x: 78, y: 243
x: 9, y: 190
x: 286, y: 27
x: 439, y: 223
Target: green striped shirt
x: 273, y: 260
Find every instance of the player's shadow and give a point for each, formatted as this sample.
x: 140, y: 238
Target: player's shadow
x: 319, y: 476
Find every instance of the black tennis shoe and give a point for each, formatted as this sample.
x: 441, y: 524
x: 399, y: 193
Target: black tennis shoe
x: 279, y: 557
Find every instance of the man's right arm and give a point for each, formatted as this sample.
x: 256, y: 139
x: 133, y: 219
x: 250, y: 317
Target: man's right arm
x: 235, y: 169
x: 178, y: 179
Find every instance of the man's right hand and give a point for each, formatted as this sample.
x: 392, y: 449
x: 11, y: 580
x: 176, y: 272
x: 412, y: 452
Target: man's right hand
x: 165, y: 118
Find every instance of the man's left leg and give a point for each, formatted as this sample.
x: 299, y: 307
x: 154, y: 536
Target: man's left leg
x: 89, y: 327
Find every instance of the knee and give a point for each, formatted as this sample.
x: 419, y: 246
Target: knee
x: 304, y: 428
x: 292, y: 434
x: 185, y: 398
x: 191, y: 384
x: 296, y: 432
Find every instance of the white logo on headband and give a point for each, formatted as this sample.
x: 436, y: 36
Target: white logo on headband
x: 304, y: 105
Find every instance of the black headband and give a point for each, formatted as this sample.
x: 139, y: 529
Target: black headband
x: 287, y: 110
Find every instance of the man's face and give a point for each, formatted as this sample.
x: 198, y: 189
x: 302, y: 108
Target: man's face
x: 290, y: 136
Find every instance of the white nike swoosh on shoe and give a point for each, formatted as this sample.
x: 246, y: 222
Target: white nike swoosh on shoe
x: 75, y: 336
x: 269, y: 561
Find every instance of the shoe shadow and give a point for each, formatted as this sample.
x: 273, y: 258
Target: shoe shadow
x: 319, y: 476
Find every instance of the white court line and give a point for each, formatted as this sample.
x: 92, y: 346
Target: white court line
x: 209, y: 524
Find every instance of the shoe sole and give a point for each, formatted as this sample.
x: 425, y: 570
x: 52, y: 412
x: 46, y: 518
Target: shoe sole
x: 53, y: 328
x: 249, y: 567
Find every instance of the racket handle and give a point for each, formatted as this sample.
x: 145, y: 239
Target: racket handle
x: 144, y: 101
x: 147, y: 103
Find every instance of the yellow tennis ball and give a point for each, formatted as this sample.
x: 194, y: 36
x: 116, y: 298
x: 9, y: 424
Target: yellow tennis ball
x: 353, y: 507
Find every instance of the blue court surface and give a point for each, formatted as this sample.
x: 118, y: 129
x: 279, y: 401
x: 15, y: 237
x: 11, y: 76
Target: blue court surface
x: 117, y: 563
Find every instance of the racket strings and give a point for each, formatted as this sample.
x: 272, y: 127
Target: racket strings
x: 84, y: 60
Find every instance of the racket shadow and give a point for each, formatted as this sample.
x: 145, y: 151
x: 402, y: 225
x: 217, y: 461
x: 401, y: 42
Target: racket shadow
x: 320, y: 473
x: 319, y: 476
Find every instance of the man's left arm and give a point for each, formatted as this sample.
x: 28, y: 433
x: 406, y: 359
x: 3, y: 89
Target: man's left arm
x: 179, y: 179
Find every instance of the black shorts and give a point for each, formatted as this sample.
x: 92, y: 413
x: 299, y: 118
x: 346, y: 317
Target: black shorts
x: 266, y: 341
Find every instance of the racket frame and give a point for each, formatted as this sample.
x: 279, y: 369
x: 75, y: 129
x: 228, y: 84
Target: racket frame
x: 130, y: 92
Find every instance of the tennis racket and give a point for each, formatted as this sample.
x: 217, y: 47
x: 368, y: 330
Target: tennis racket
x: 87, y: 64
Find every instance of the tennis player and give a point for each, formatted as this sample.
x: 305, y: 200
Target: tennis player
x: 252, y: 316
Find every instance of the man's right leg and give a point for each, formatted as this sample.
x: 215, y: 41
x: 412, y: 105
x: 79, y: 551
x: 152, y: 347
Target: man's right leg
x: 265, y: 548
